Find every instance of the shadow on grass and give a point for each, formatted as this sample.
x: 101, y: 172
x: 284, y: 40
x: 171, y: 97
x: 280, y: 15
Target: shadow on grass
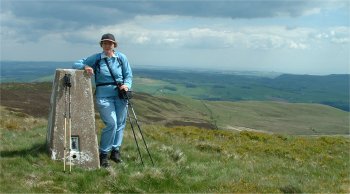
x: 34, y: 151
x: 290, y: 189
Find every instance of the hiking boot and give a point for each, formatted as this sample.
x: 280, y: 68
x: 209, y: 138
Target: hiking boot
x: 115, y: 156
x: 104, y: 160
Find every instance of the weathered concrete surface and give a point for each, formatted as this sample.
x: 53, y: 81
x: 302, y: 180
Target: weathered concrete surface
x: 82, y: 120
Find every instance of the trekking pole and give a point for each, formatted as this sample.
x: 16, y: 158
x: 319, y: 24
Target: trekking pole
x: 67, y: 84
x: 137, y: 123
x: 65, y: 129
x: 133, y: 131
x: 70, y: 127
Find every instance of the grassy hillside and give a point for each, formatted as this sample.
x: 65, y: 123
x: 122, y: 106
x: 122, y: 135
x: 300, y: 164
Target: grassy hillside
x: 331, y: 90
x: 280, y: 117
x: 175, y: 110
x: 187, y: 159
x: 275, y: 117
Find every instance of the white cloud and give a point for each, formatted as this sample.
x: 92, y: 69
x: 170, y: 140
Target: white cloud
x: 9, y: 24
x: 267, y: 37
x: 262, y: 37
x: 312, y: 11
x: 322, y: 36
x: 336, y: 35
x: 295, y: 45
x: 340, y: 35
x: 142, y: 39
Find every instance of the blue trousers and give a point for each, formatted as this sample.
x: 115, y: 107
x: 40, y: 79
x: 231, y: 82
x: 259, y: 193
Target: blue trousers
x: 113, y: 112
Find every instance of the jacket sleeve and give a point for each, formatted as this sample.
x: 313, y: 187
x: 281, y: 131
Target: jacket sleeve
x: 127, y: 72
x: 90, y: 61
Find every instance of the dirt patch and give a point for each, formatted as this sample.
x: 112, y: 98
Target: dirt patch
x: 154, y: 109
x: 170, y: 101
x: 204, y: 125
x: 155, y: 101
x: 154, y: 119
x: 29, y: 98
x: 238, y: 128
x: 141, y: 96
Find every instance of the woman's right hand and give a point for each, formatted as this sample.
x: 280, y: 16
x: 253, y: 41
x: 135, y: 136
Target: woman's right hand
x: 89, y: 70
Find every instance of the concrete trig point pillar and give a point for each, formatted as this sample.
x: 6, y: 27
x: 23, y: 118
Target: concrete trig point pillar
x: 83, y: 135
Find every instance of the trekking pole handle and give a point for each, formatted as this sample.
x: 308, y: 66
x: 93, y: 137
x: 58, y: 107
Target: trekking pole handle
x: 67, y: 82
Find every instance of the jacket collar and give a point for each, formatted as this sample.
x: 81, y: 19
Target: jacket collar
x: 103, y: 55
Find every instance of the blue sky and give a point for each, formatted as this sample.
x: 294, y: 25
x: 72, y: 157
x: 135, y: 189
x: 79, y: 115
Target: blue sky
x: 299, y: 36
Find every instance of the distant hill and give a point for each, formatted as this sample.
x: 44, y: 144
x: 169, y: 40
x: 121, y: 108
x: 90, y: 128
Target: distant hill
x: 332, y: 90
x: 18, y: 71
x: 175, y: 110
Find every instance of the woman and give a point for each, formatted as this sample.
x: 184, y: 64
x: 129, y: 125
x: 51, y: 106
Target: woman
x: 112, y: 109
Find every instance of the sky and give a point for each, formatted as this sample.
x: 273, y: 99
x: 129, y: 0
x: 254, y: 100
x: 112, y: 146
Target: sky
x: 294, y: 36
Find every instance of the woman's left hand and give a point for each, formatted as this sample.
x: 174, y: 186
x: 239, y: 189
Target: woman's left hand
x: 124, y: 87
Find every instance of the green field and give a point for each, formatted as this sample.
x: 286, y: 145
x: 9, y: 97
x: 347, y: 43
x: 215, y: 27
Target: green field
x: 187, y: 160
x: 274, y: 117
x: 281, y: 117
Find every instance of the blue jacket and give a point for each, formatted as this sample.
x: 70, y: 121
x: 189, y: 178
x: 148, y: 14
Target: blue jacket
x: 103, y: 75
